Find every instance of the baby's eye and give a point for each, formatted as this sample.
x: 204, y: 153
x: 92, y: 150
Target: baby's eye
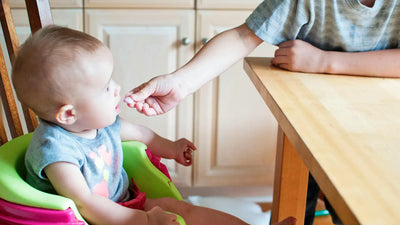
x: 107, y: 89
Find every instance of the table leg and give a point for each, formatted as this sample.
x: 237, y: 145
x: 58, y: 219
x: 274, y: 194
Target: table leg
x: 290, y: 183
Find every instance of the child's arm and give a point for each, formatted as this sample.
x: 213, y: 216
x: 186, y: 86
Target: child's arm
x: 297, y: 55
x: 180, y: 150
x: 68, y: 181
x: 163, y: 93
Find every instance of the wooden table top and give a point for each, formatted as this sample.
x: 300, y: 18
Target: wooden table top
x: 347, y: 131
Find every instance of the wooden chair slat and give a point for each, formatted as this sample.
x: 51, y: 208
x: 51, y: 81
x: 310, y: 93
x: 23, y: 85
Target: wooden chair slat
x: 39, y: 14
x: 3, y: 134
x: 31, y: 119
x: 8, y: 100
x: 10, y: 35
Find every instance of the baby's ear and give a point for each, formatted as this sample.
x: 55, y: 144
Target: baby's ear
x: 66, y: 115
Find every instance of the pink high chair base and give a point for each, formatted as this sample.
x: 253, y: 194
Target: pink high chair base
x: 13, y: 214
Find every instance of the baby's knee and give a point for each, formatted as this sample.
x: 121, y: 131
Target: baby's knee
x: 185, y: 208
x: 177, y: 206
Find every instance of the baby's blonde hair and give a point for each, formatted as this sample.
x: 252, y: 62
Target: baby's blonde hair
x: 43, y: 72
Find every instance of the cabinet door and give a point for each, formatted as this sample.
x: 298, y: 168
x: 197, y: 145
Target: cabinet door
x: 227, y: 4
x: 139, y: 3
x: 146, y: 43
x: 235, y: 132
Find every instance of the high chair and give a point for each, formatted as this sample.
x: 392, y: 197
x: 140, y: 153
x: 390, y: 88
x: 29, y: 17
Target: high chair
x: 20, y: 203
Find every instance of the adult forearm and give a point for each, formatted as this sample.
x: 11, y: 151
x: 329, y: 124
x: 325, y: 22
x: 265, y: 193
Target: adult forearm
x: 383, y: 63
x: 216, y: 56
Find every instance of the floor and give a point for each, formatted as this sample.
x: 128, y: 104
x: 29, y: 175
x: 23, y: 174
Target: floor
x: 322, y: 220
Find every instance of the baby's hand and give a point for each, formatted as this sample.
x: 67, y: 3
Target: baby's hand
x: 157, y: 216
x: 184, y: 150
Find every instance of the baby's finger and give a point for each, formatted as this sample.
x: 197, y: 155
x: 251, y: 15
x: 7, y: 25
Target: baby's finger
x: 187, y: 155
x: 191, y: 146
x: 188, y: 158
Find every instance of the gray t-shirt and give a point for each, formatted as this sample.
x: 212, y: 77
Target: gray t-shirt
x: 334, y: 25
x: 99, y: 159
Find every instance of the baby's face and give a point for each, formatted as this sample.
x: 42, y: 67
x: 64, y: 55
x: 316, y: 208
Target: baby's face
x: 99, y: 104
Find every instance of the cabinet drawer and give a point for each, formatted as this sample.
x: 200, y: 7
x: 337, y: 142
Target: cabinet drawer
x: 53, y: 3
x: 139, y: 3
x: 227, y: 4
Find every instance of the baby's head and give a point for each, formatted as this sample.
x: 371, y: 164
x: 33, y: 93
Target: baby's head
x: 58, y: 71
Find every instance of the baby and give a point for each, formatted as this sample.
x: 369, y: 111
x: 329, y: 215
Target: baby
x: 65, y: 77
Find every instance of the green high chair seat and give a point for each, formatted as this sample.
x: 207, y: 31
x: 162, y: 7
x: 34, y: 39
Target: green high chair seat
x: 14, y: 191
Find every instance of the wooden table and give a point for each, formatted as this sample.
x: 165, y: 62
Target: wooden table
x: 345, y: 130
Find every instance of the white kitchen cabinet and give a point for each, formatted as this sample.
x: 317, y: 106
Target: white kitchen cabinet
x: 234, y: 131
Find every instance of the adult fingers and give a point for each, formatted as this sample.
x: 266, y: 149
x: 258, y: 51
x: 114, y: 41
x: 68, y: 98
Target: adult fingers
x: 143, y: 91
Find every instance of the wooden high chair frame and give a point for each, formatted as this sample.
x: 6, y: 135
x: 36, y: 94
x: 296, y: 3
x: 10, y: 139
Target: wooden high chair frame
x: 39, y: 16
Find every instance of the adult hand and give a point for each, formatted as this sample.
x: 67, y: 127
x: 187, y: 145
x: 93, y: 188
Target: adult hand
x: 157, y: 96
x: 298, y: 55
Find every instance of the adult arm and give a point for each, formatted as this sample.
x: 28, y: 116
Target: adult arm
x: 68, y: 181
x: 297, y: 55
x: 163, y: 93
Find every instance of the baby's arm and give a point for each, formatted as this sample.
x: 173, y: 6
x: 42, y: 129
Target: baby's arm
x: 68, y: 181
x: 180, y: 150
x: 298, y: 55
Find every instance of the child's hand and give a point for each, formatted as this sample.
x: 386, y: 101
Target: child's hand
x: 157, y: 216
x: 183, y: 152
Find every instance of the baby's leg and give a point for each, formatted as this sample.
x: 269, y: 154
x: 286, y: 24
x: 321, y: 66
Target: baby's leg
x: 193, y: 215
x: 197, y: 215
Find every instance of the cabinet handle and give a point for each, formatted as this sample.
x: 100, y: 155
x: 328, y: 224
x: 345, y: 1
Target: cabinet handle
x: 204, y: 40
x: 185, y: 41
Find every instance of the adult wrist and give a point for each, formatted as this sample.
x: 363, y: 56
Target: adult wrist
x: 183, y: 82
x: 328, y: 65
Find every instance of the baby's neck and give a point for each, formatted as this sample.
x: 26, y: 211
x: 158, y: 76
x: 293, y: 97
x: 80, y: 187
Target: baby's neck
x: 89, y: 134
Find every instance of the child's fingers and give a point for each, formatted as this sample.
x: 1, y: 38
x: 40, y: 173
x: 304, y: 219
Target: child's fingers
x: 191, y: 145
x: 188, y: 156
